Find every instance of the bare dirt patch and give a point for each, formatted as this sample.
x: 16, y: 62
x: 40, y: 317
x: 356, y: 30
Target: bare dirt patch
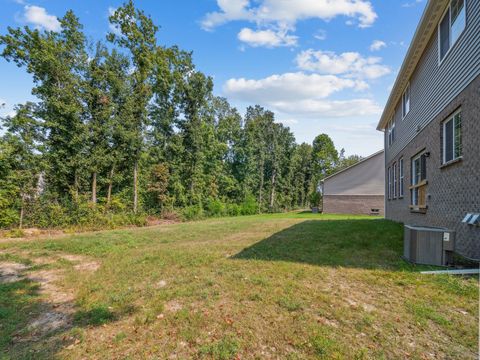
x: 11, y: 272
x: 58, y: 307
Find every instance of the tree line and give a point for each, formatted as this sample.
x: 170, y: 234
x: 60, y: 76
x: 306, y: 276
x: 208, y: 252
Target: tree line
x: 127, y: 127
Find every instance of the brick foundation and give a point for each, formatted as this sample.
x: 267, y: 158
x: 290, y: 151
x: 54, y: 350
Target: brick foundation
x: 453, y: 190
x: 353, y: 204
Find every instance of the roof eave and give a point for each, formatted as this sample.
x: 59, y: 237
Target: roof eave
x: 425, y: 29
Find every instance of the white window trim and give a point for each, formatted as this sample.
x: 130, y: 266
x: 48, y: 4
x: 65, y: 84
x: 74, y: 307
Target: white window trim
x: 409, y: 101
x: 440, y: 60
x: 401, y: 178
x: 412, y: 180
x: 444, y: 142
x: 395, y: 180
x: 391, y: 132
x: 389, y: 183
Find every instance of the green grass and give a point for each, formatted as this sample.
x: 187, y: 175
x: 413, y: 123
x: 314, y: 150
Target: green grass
x: 293, y: 286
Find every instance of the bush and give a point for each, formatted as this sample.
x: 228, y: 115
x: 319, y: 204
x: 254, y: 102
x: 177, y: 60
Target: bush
x: 193, y: 212
x: 233, y: 210
x: 215, y: 208
x: 249, y: 206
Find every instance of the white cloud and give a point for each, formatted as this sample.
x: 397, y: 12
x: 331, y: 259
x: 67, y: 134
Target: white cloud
x: 289, y: 12
x: 288, y: 121
x: 411, y: 4
x: 113, y: 28
x: 377, y: 45
x: 320, y: 35
x: 268, y: 38
x: 289, y: 87
x: 304, y: 95
x: 350, y: 64
x: 329, y: 108
x: 39, y: 17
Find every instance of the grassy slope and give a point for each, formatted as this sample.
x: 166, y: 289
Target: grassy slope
x: 270, y: 286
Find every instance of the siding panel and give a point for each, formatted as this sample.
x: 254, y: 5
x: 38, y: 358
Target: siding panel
x: 432, y: 86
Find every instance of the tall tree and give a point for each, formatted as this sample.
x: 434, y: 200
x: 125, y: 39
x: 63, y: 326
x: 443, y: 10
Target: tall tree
x: 57, y: 61
x: 138, y: 36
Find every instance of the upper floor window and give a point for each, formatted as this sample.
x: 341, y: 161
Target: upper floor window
x: 452, y: 137
x: 406, y: 101
x: 391, y: 132
x: 451, y: 26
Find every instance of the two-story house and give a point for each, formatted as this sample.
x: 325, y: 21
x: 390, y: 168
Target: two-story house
x: 432, y: 126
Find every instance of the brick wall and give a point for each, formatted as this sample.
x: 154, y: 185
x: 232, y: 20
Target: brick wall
x: 353, y: 204
x: 453, y: 190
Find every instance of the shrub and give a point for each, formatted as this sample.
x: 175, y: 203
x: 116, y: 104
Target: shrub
x: 233, y: 210
x: 249, y: 206
x: 215, y: 208
x: 193, y: 212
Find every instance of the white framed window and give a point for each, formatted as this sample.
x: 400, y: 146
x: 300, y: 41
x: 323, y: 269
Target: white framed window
x: 395, y: 180
x: 391, y: 132
x: 452, y: 137
x: 401, y: 187
x: 451, y: 27
x: 419, y: 174
x: 406, y: 101
x: 389, y: 183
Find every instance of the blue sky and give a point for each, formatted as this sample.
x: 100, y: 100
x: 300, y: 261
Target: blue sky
x: 323, y: 66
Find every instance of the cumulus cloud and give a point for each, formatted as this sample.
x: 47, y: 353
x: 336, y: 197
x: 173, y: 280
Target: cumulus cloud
x: 302, y: 94
x: 377, y: 45
x: 349, y: 64
x: 39, y: 17
x: 289, y: 12
x: 329, y: 108
x: 289, y: 87
x: 267, y: 38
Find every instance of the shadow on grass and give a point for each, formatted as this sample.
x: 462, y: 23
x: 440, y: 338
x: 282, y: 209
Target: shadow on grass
x: 21, y: 304
x: 365, y: 243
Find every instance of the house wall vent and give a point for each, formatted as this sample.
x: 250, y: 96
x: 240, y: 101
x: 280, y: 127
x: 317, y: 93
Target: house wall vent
x: 428, y: 245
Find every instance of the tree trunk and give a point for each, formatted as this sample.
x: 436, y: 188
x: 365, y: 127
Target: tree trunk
x: 272, y: 191
x: 76, y: 186
x: 260, y: 190
x: 94, y: 187
x: 135, y: 187
x: 110, y: 184
x: 20, y: 223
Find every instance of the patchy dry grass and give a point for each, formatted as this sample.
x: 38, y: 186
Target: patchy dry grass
x: 290, y: 286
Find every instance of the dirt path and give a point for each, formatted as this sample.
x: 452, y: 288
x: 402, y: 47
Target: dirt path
x: 58, y: 307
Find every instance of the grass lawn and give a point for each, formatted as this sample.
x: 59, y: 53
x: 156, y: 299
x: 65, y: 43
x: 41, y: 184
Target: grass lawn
x: 283, y: 286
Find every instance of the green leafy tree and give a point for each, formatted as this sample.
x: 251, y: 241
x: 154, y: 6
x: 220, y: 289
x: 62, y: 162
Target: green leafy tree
x: 138, y: 36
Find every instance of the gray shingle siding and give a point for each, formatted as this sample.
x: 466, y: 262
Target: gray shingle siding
x: 434, y: 86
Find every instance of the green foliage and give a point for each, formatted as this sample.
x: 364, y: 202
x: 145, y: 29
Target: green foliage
x: 249, y: 206
x: 224, y: 349
x: 193, y: 212
x: 133, y: 128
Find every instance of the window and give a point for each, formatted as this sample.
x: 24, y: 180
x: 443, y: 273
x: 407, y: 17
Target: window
x: 401, y: 187
x: 452, y: 137
x: 389, y: 189
x: 451, y: 27
x: 419, y: 177
x: 406, y: 101
x: 391, y: 132
x: 395, y: 181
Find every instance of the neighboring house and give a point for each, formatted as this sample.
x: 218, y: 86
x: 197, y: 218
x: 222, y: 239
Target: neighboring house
x: 358, y: 189
x: 432, y: 126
